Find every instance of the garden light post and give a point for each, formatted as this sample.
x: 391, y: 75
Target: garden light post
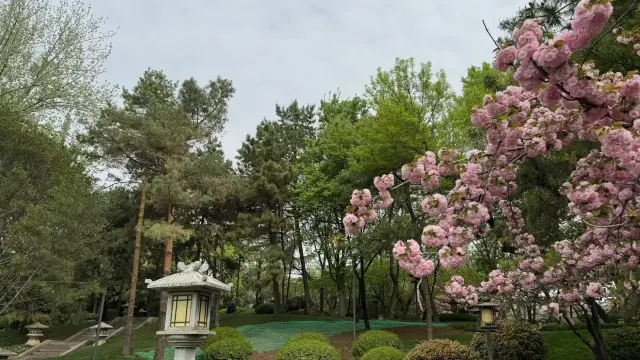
x: 487, y: 322
x: 189, y: 302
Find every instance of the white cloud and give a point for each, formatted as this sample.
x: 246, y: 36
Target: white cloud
x: 278, y: 50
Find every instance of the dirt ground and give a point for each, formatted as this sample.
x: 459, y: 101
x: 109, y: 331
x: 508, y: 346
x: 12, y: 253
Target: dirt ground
x: 343, y: 341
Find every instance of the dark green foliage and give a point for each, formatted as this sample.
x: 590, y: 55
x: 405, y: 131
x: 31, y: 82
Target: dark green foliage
x: 442, y: 350
x: 622, y: 343
x: 465, y: 326
x: 308, y: 350
x: 233, y: 348
x: 295, y: 303
x: 316, y: 336
x: 513, y: 341
x: 383, y: 353
x: 373, y: 339
x: 264, y: 309
x: 565, y: 327
x: 222, y: 333
x: 458, y: 317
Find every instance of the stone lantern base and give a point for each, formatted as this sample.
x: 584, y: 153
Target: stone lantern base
x: 34, y: 339
x: 185, y: 342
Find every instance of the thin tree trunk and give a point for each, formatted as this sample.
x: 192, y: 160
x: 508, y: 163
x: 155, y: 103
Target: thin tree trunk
x: 259, y: 287
x: 166, y: 271
x: 305, y: 275
x: 285, y: 306
x: 342, y: 296
x: 363, y: 296
x: 277, y: 299
x: 237, y: 302
x: 427, y: 305
x: 393, y: 273
x: 126, y: 350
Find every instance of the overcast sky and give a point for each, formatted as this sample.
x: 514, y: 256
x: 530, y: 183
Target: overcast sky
x: 275, y: 51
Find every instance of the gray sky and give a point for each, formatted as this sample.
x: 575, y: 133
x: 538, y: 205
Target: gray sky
x: 275, y: 51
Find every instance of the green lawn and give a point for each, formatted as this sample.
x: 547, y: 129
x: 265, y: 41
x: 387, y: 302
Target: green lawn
x: 14, y: 340
x: 563, y: 345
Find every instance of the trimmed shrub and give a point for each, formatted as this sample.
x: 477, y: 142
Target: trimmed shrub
x: 513, y: 341
x: 308, y: 350
x: 223, y: 332
x: 232, y: 348
x: 458, y: 317
x: 372, y: 339
x: 442, y: 350
x: 622, y: 343
x: 264, y: 309
x: 309, y: 336
x: 383, y: 353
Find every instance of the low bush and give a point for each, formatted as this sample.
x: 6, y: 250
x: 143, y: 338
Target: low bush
x: 442, y: 350
x: 513, y: 341
x: 309, y: 336
x: 458, y: 317
x: 383, y: 353
x: 232, y: 348
x: 372, y: 339
x: 264, y: 309
x: 295, y: 303
x: 308, y: 350
x: 223, y: 332
x: 622, y: 343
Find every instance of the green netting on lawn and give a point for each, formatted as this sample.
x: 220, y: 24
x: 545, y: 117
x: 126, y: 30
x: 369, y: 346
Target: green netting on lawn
x: 274, y: 335
x: 169, y: 353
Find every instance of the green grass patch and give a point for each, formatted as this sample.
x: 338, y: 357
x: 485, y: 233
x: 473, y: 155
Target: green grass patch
x: 14, y: 339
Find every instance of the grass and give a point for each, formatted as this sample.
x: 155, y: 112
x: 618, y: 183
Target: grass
x: 563, y: 345
x: 14, y: 339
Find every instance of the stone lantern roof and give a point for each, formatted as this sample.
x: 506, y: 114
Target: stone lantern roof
x: 102, y: 326
x: 5, y: 352
x: 37, y: 326
x: 189, y: 277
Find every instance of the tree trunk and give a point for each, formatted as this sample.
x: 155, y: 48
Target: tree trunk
x: 259, y: 287
x: 277, y: 299
x: 427, y: 302
x: 393, y: 273
x: 166, y: 271
x: 126, y: 350
x: 363, y: 296
x: 285, y: 305
x: 237, y: 301
x: 305, y: 276
x: 342, y: 296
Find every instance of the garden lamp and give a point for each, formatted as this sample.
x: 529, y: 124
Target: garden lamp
x: 487, y: 322
x: 189, y: 301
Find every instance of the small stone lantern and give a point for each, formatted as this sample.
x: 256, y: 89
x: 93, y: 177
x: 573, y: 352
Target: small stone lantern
x: 4, y: 354
x: 102, y: 332
x: 35, y: 333
x: 190, y: 292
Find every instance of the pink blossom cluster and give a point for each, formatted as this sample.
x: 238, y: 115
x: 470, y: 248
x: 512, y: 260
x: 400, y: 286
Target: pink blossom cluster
x: 410, y: 258
x: 423, y: 170
x: 383, y: 184
x: 629, y: 38
x: 461, y: 293
x: 556, y: 103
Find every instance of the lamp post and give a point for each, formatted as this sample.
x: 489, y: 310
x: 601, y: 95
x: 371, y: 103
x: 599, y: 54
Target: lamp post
x: 487, y: 322
x: 190, y: 292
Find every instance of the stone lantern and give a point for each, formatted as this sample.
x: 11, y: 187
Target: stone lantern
x: 4, y: 354
x: 487, y: 322
x: 190, y: 291
x: 102, y: 332
x: 35, y: 333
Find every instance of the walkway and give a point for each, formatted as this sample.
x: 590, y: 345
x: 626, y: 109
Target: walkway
x: 86, y: 337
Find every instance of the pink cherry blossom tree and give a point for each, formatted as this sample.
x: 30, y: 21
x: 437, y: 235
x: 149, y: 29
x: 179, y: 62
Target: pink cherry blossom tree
x: 556, y: 103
